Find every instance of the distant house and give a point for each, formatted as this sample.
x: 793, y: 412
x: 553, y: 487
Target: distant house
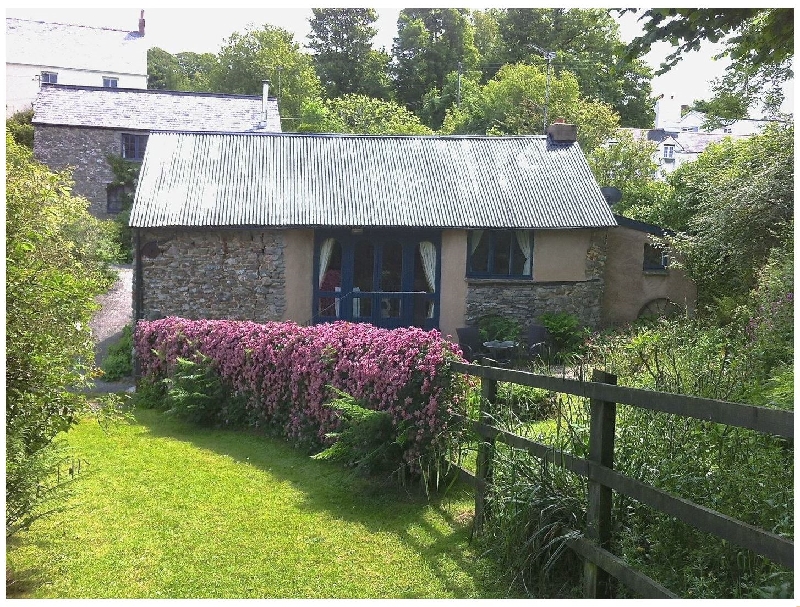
x: 80, y: 126
x: 38, y: 53
x: 396, y: 231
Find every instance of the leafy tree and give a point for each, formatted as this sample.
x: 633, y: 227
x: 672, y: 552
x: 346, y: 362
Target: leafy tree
x: 513, y: 103
x: 627, y: 164
x: 360, y: 114
x: 269, y: 53
x: 759, y: 42
x: 430, y: 43
x: 196, y: 69
x: 163, y: 71
x: 54, y: 269
x: 737, y: 202
x: 341, y: 39
x: 20, y: 125
x: 587, y: 43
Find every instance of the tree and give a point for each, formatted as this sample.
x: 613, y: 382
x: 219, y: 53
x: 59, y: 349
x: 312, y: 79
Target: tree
x: 737, y: 201
x: 430, y: 43
x: 269, y: 53
x: 627, y: 164
x: 196, y: 69
x: 759, y: 42
x: 341, y: 39
x: 513, y: 103
x: 182, y: 72
x: 587, y: 43
x: 360, y: 114
x: 54, y: 269
x: 20, y: 125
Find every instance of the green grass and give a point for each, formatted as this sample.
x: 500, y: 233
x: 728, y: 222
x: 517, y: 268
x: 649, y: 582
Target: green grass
x: 164, y: 509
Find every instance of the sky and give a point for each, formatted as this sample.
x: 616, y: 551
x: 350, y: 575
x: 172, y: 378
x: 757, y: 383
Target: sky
x: 205, y: 29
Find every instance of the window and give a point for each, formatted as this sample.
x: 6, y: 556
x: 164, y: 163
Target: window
x: 727, y: 129
x: 669, y: 152
x: 110, y: 83
x: 655, y: 258
x: 500, y: 253
x: 133, y: 146
x: 114, y: 199
x: 49, y: 77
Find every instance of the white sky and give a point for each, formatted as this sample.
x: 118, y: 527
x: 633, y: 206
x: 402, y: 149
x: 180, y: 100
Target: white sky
x: 205, y: 29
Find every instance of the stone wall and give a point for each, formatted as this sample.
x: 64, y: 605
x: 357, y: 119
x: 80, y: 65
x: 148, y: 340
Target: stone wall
x: 84, y: 150
x: 525, y: 300
x: 211, y: 273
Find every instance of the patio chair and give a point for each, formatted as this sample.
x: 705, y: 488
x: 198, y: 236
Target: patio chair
x: 469, y: 338
x: 538, y: 343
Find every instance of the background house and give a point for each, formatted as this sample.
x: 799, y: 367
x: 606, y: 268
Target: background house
x: 396, y: 231
x: 80, y: 126
x: 38, y: 52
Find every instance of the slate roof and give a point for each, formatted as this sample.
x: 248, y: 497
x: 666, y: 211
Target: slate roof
x: 80, y: 47
x: 144, y: 109
x: 304, y: 180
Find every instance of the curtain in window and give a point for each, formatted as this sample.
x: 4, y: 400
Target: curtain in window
x: 524, y: 242
x: 476, y: 236
x: 325, y: 252
x: 427, y: 252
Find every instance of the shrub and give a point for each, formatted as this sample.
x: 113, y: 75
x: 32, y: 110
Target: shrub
x: 566, y: 332
x: 118, y: 363
x: 494, y: 327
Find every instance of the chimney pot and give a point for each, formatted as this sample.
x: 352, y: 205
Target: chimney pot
x: 141, y: 23
x: 561, y: 132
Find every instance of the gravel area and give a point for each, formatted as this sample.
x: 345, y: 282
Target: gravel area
x: 115, y: 312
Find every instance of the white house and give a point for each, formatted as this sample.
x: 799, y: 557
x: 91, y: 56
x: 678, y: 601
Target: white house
x: 58, y: 53
x: 674, y: 117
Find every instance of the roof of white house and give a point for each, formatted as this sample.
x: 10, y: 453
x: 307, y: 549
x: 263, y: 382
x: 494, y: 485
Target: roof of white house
x: 145, y: 110
x: 80, y: 47
x: 294, y: 180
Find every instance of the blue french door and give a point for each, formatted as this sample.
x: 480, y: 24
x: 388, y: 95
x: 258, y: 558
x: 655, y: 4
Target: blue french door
x: 378, y: 277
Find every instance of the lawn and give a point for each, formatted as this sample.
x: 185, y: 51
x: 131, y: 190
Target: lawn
x: 164, y: 509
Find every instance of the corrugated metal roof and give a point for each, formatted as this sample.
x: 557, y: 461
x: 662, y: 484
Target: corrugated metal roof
x: 145, y: 110
x: 224, y: 179
x: 78, y: 47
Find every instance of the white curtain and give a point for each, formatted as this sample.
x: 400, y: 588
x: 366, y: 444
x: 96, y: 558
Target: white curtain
x: 476, y: 236
x: 524, y: 242
x: 325, y: 252
x: 427, y: 251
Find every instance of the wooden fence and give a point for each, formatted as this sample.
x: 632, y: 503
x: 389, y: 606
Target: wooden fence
x: 598, y: 468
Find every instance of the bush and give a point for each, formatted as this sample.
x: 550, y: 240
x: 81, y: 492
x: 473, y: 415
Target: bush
x: 118, y: 363
x: 566, y: 332
x: 494, y: 327
x: 20, y: 126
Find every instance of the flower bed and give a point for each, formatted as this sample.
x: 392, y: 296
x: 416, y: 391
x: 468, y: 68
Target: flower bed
x: 287, y: 371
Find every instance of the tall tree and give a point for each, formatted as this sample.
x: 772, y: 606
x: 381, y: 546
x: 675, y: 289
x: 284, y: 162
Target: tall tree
x: 430, y: 43
x: 268, y: 53
x: 163, y: 71
x: 587, y: 43
x: 341, y: 39
x: 759, y: 42
x: 360, y: 114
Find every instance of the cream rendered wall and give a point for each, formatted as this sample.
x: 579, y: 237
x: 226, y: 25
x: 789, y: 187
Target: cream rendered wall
x: 560, y: 255
x: 453, y: 296
x: 299, y: 257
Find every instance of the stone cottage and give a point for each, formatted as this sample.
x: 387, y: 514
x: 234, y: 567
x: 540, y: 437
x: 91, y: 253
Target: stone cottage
x: 391, y: 230
x: 80, y: 126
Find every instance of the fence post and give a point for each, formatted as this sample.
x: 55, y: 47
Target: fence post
x: 483, y: 471
x: 598, y: 514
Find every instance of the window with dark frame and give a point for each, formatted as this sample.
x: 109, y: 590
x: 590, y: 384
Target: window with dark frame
x: 114, y: 198
x: 110, y: 83
x: 500, y: 254
x: 133, y: 146
x: 49, y: 77
x: 669, y: 152
x: 655, y: 258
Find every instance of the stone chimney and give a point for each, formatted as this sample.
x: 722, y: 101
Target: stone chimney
x: 141, y: 23
x: 264, y: 96
x: 561, y: 132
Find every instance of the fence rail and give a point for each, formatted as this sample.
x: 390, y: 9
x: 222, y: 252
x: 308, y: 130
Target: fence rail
x: 604, y: 395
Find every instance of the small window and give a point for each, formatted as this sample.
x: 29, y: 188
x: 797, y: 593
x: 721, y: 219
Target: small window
x: 114, y: 200
x: 669, y: 151
x: 49, y: 77
x: 727, y: 129
x: 110, y: 83
x: 500, y: 253
x: 655, y: 258
x: 133, y: 146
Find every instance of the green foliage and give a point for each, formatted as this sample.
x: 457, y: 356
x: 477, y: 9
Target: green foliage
x: 494, y: 327
x: 368, y: 441
x: 53, y: 273
x: 126, y: 176
x: 359, y: 114
x: 269, y: 53
x: 565, y: 331
x: 184, y: 71
x: 20, y: 125
x: 118, y: 362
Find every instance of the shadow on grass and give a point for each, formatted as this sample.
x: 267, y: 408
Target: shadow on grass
x: 380, y: 506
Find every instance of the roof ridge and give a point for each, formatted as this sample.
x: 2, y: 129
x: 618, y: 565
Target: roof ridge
x: 94, y: 27
x: 117, y: 90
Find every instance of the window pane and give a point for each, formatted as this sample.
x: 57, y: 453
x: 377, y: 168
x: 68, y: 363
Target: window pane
x: 363, y: 266
x: 392, y: 267
x: 425, y: 267
x: 502, y: 252
x: 479, y: 247
x: 517, y: 256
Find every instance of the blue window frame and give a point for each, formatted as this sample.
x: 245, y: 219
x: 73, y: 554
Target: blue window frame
x: 110, y: 82
x: 500, y: 254
x: 133, y: 146
x: 49, y: 77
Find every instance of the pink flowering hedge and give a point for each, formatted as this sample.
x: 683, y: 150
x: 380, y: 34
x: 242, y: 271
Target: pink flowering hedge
x: 285, y: 370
